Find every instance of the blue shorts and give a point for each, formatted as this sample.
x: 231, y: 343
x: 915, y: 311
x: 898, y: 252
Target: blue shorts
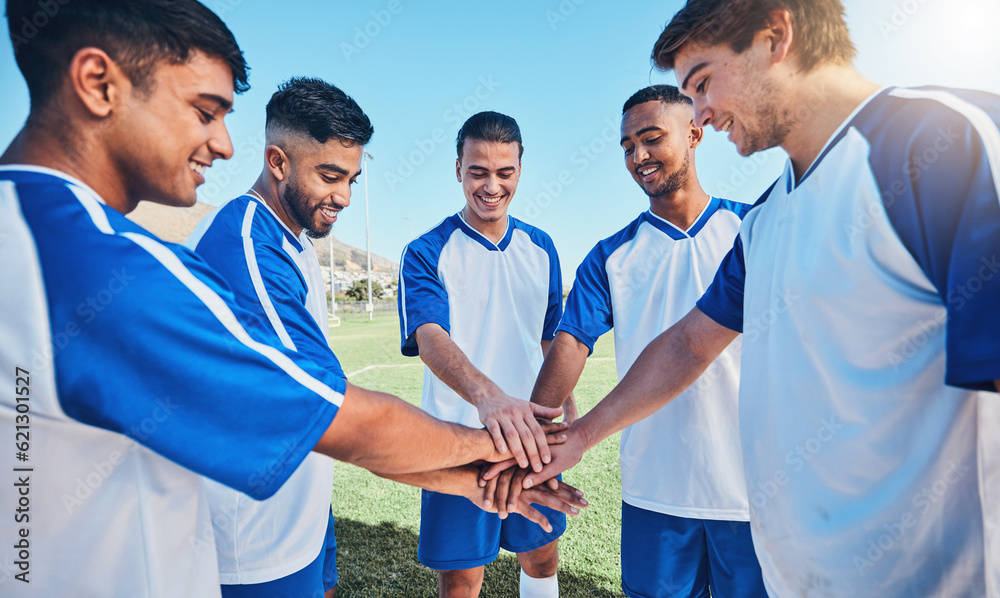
x: 306, y: 582
x: 663, y: 555
x: 456, y: 534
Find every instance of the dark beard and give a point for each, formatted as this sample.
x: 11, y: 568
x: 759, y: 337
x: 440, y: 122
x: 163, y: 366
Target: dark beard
x: 300, y: 211
x: 674, y: 182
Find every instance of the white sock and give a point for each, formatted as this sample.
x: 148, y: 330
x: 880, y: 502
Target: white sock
x: 534, y: 587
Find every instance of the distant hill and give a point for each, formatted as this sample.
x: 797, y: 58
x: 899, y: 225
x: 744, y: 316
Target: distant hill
x: 176, y: 224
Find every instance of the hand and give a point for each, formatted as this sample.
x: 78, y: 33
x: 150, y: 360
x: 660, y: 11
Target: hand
x: 564, y: 456
x: 512, y: 425
x: 504, y: 495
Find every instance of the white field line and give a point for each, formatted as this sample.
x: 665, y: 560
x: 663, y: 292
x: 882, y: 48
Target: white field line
x: 389, y: 365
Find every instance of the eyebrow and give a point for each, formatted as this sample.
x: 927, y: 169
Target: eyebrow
x: 223, y: 103
x: 335, y: 168
x: 640, y: 133
x: 484, y: 169
x: 691, y: 74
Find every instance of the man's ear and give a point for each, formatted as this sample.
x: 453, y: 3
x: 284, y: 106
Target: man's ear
x: 276, y: 161
x: 779, y: 34
x: 696, y: 134
x: 97, y: 81
x: 458, y: 169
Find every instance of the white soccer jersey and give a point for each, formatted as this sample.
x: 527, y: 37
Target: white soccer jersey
x: 684, y: 460
x: 497, y: 301
x: 868, y: 299
x: 275, y: 276
x: 143, y: 375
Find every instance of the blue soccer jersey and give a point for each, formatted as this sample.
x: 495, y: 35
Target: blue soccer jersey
x: 867, y: 296
x: 639, y: 282
x: 497, y: 301
x: 275, y: 276
x: 142, y: 373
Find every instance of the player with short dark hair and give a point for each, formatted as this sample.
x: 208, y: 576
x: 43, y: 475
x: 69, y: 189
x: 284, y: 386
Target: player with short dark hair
x: 685, y: 529
x: 480, y: 296
x: 260, y: 243
x: 864, y: 283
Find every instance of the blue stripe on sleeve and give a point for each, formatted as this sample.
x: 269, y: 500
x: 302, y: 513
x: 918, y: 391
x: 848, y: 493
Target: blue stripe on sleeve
x: 935, y: 155
x: 422, y: 297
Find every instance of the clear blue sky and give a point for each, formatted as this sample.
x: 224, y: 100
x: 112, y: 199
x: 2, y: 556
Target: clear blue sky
x: 562, y: 68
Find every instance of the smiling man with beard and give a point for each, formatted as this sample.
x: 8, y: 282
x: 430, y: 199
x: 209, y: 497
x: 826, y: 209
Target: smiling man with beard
x: 685, y: 520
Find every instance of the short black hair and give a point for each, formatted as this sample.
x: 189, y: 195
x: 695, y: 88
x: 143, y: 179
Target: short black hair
x: 313, y: 106
x: 668, y: 94
x: 136, y: 34
x: 490, y: 126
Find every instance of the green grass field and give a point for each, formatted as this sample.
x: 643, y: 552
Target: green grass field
x: 378, y: 521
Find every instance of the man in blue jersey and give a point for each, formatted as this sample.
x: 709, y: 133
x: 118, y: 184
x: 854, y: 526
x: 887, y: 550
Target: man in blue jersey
x: 865, y: 285
x: 684, y: 520
x: 260, y: 243
x: 480, y: 296
x: 134, y: 367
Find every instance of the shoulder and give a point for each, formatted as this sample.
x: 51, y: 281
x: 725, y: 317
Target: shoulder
x: 431, y: 243
x: 928, y: 120
x: 537, y: 235
x: 735, y: 207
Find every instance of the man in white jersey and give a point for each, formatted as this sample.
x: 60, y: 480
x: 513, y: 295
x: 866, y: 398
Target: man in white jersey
x: 480, y: 296
x: 260, y: 243
x: 685, y: 519
x: 865, y: 283
x: 139, y: 372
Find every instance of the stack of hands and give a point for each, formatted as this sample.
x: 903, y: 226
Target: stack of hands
x: 528, y: 459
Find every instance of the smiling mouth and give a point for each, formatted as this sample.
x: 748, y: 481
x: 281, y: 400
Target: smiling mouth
x: 727, y: 125
x: 491, y: 200
x: 329, y: 214
x: 197, y: 167
x: 646, y: 171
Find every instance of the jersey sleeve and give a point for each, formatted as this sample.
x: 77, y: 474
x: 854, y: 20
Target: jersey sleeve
x: 271, y: 289
x: 422, y: 297
x: 938, y: 169
x: 166, y: 342
x: 588, y: 307
x: 723, y: 301
x: 554, y: 309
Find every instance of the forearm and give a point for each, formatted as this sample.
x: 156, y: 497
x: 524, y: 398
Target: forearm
x: 381, y: 433
x: 451, y: 366
x: 458, y: 481
x: 664, y: 369
x: 560, y: 371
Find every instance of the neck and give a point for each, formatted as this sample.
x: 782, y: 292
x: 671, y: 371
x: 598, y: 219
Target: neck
x: 829, y: 94
x: 494, y: 231
x: 37, y: 145
x: 266, y: 188
x: 682, y: 207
